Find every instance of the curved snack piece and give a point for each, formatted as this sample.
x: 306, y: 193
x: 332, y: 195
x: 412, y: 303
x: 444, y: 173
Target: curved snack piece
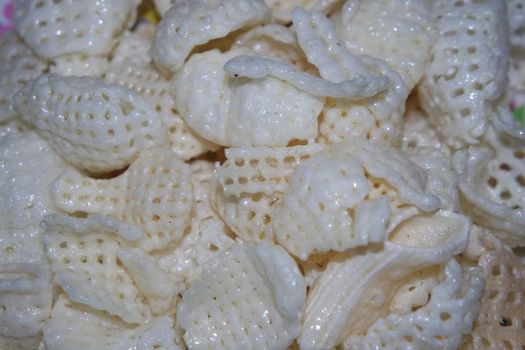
x: 83, y: 256
x: 500, y: 322
x: 443, y: 323
x: 154, y: 193
x: 56, y: 28
x: 250, y: 297
x: 18, y: 65
x: 95, y: 126
x: 492, y: 182
x: 221, y: 109
x: 26, y: 297
x: 356, y: 287
x: 396, y: 31
x: 469, y: 67
x: 191, y: 23
x: 80, y: 65
x: 74, y: 326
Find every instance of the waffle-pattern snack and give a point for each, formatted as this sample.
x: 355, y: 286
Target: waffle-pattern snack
x: 80, y: 65
x: 95, y: 126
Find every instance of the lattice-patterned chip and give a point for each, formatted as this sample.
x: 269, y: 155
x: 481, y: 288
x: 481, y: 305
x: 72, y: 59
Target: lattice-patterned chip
x: 443, y: 323
x: 502, y: 317
x: 468, y: 68
x: 25, y: 298
x: 56, y: 28
x: 155, y: 193
x: 83, y: 256
x: 95, y: 126
x: 18, y: 65
x: 356, y: 287
x: 251, y: 297
x: 492, y: 183
x: 75, y: 326
x: 195, y: 22
x: 397, y: 31
x: 80, y: 65
x: 221, y: 109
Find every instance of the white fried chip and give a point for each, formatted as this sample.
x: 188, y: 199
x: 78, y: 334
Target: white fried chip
x: 135, y: 46
x: 492, y: 183
x: 155, y: 193
x: 202, y: 172
x: 56, y: 28
x: 250, y: 297
x: 18, y: 65
x: 222, y: 109
x: 334, y: 201
x: 83, y: 256
x: 356, y: 287
x: 74, y: 326
x: 468, y: 68
x: 25, y: 298
x: 79, y: 65
x: 398, y: 31
x: 146, y: 80
x: 95, y: 126
x: 443, y: 323
x: 195, y: 22
x: 516, y: 20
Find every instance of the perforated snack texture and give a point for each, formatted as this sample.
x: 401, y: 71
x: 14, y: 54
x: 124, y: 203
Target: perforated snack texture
x: 80, y: 65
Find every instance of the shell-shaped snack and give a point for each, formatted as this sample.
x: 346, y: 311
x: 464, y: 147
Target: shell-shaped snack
x: 500, y: 322
x: 56, y: 28
x: 146, y: 80
x: 192, y: 23
x: 249, y: 185
x: 443, y: 323
x: 75, y: 326
x: 349, y: 195
x: 397, y: 31
x: 249, y: 297
x: 355, y: 289
x: 467, y: 70
x: 94, y: 126
x: 155, y: 193
x: 26, y: 297
x: 221, y: 109
x: 18, y: 65
x: 80, y: 65
x: 492, y: 184
x: 516, y: 18
x: 83, y: 256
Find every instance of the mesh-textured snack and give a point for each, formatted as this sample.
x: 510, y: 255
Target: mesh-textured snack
x: 135, y: 46
x: 492, y: 182
x: 355, y: 288
x: 83, y: 256
x: 202, y: 172
x: 75, y: 326
x: 501, y: 319
x: 251, y: 296
x: 467, y: 70
x: 195, y: 22
x: 18, y: 65
x: 396, y: 31
x: 56, y: 28
x: 79, y: 65
x: 443, y: 323
x: 155, y: 193
x: 95, y: 126
x: 516, y: 18
x: 221, y: 109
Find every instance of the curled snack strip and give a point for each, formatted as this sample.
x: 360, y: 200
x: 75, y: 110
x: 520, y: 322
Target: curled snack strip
x: 443, y: 323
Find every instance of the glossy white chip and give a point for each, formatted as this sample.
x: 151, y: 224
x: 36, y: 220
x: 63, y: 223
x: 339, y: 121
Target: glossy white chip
x: 56, y: 28
x: 80, y: 65
x: 356, y: 287
x: 468, y: 68
x: 95, y: 126
x: 74, y: 326
x: 195, y: 22
x: 251, y: 297
x: 443, y: 323
x: 154, y: 193
x: 222, y: 109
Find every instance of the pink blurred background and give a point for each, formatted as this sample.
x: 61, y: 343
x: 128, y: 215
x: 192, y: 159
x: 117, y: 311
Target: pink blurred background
x: 6, y: 15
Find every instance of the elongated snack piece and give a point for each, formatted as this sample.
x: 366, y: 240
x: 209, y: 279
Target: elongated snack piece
x: 191, y: 23
x: 94, y: 126
x: 154, y: 193
x: 56, y: 28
